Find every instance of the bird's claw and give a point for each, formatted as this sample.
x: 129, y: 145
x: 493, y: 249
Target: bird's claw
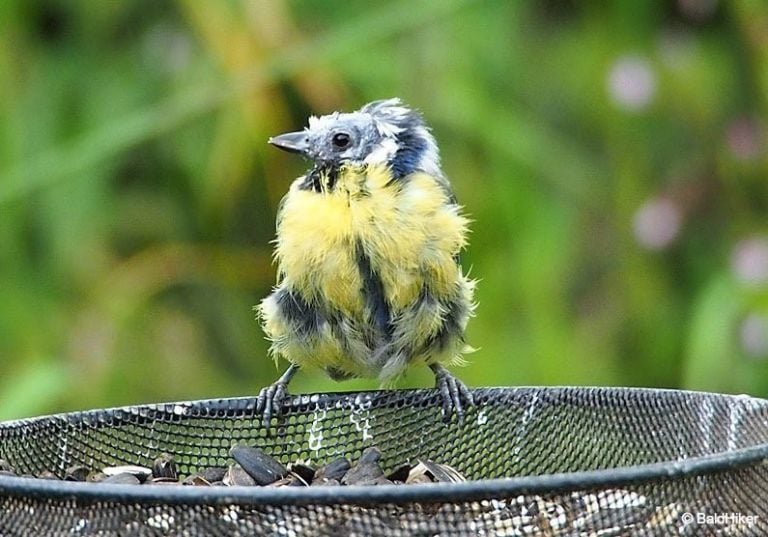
x: 455, y: 395
x: 270, y: 402
x: 271, y: 398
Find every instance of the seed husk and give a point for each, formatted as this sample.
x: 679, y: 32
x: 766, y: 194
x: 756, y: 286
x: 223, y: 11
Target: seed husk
x: 76, y: 473
x: 165, y: 466
x: 196, y: 480
x: 140, y: 472
x: 304, y: 472
x: 236, y: 476
x: 123, y: 478
x: 162, y: 480
x: 96, y: 477
x: 291, y: 480
x: 400, y: 474
x: 48, y: 475
x: 323, y: 482
x: 439, y: 473
x: 418, y: 478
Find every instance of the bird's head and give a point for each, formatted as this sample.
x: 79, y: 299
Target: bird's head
x: 380, y: 133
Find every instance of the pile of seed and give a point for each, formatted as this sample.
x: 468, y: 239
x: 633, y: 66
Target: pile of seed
x: 253, y: 467
x: 610, y: 512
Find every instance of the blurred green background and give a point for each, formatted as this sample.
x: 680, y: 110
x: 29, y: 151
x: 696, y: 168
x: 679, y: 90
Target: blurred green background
x: 611, y: 154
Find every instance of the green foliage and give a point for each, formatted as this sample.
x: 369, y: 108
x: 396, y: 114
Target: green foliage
x: 613, y: 159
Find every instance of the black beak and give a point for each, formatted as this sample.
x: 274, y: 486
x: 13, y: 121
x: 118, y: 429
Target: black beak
x: 293, y: 142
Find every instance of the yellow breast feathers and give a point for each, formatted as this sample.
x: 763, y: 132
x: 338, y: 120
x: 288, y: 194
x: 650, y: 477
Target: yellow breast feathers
x: 408, y: 229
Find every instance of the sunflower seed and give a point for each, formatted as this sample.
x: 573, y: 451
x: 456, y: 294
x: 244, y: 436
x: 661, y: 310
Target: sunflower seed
x: 260, y: 466
x: 367, y: 469
x: 213, y: 474
x: 334, y: 470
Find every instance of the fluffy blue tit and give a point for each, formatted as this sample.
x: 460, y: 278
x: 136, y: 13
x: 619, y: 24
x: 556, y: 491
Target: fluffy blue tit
x: 367, y: 248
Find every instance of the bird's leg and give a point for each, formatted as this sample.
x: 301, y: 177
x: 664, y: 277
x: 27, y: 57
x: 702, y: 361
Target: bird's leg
x: 455, y: 395
x: 270, y: 401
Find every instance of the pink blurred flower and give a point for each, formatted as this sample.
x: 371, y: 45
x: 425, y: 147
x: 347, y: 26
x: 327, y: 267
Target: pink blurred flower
x: 745, y: 139
x: 632, y: 83
x: 657, y: 223
x: 749, y: 260
x: 753, y: 335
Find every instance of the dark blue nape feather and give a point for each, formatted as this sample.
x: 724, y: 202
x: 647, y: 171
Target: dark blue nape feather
x: 411, y: 146
x: 409, y: 154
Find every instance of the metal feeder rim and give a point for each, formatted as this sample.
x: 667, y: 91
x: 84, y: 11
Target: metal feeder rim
x: 249, y: 401
x: 360, y: 494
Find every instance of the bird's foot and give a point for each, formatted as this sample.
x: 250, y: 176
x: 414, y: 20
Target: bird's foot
x: 455, y: 395
x: 270, y: 401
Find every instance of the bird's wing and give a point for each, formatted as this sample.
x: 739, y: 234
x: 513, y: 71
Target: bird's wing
x: 452, y: 200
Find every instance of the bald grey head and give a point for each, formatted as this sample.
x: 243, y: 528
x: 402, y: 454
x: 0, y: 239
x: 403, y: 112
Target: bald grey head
x: 382, y: 132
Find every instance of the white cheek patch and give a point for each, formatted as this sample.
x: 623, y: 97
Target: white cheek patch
x: 383, y: 152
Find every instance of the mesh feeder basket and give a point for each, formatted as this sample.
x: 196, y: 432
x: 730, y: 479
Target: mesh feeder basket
x: 537, y: 461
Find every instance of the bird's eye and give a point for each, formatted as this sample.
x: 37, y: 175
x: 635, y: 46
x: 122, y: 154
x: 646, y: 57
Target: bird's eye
x: 341, y: 140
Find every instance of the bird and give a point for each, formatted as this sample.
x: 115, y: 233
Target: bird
x: 369, y: 276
